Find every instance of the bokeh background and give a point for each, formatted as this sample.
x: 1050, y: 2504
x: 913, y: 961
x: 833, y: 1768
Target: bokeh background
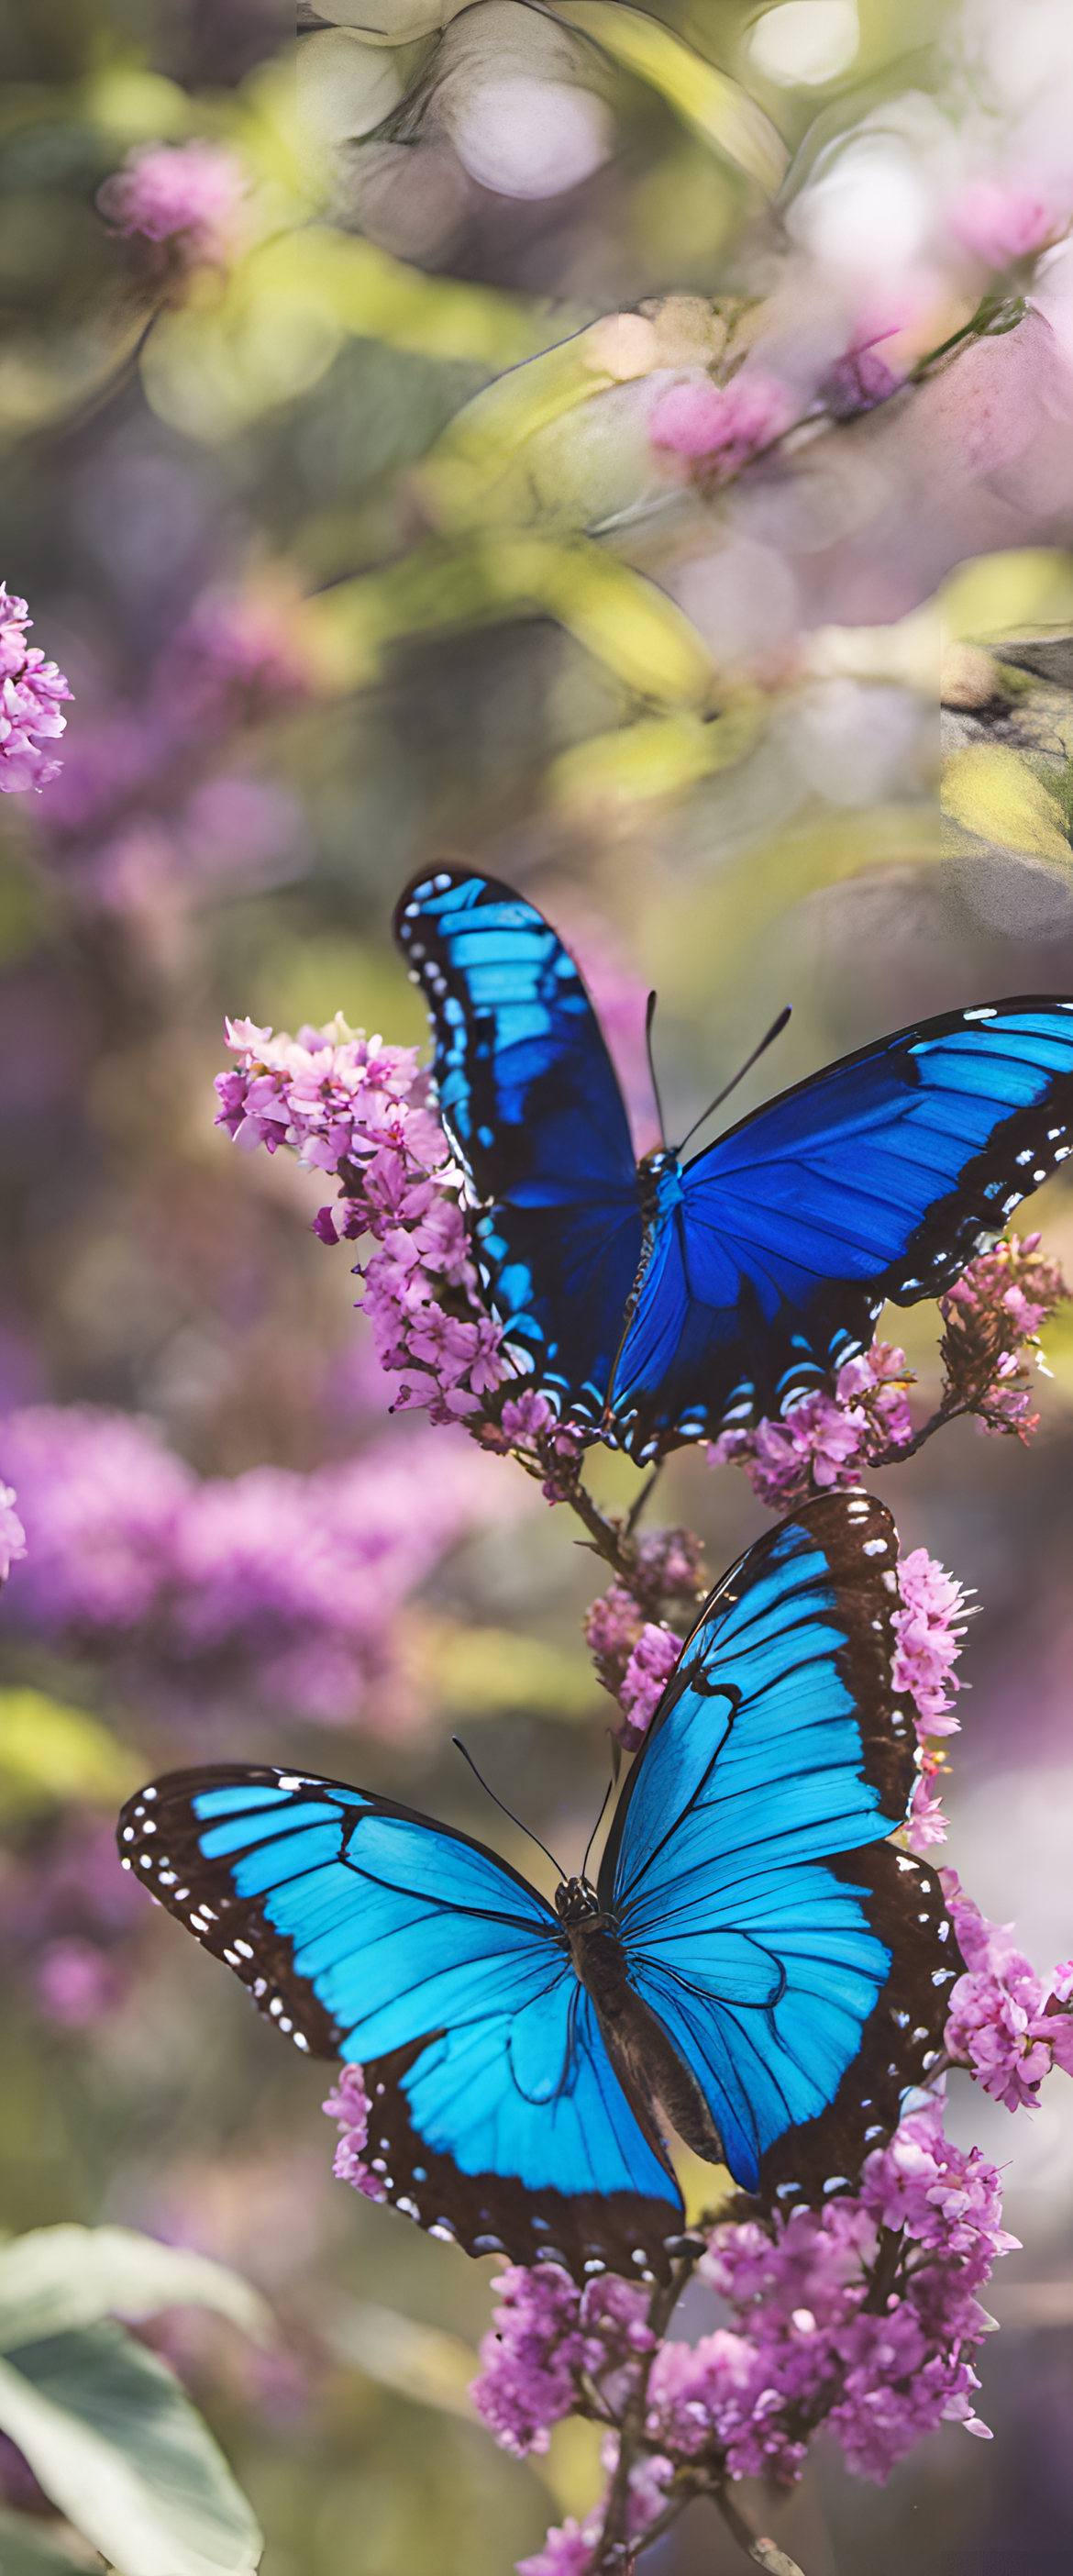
x: 234, y: 1549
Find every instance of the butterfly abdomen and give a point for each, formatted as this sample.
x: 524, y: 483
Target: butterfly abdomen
x: 660, y: 2088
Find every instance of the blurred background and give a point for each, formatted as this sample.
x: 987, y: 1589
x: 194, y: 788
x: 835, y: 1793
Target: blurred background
x: 349, y: 565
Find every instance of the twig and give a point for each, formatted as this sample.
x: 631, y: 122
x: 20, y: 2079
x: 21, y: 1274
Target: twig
x: 611, y: 2551
x: 764, y: 2553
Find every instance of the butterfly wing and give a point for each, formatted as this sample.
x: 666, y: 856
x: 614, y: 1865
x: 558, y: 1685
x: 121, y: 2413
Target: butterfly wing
x: 530, y: 1101
x: 799, y: 1963
x: 367, y: 1932
x: 881, y: 1177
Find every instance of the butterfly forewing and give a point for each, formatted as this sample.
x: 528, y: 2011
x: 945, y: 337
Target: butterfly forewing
x: 530, y: 1101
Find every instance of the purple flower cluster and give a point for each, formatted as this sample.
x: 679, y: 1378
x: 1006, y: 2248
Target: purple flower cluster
x: 993, y: 1315
x: 350, y: 1105
x: 350, y: 2105
x: 929, y: 1625
x: 281, y: 1584
x: 189, y: 193
x: 12, y: 1533
x: 1008, y: 2024
x: 135, y: 823
x: 825, y: 1440
x: 862, y: 2317
x: 633, y: 1653
x: 71, y: 1916
x: 31, y: 691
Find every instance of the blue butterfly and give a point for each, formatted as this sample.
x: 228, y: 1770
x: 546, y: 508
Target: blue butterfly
x: 757, y: 1967
x: 656, y: 1303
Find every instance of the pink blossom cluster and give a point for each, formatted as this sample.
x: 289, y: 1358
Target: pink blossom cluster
x: 69, y: 1915
x: 141, y: 814
x: 634, y: 1657
x: 186, y: 192
x: 281, y: 1585
x: 635, y: 1654
x: 1004, y: 221
x: 547, y: 2334
x: 1008, y: 2024
x: 929, y: 1625
x: 349, y: 2105
x: 350, y: 1105
x: 31, y: 691
x: 714, y: 429
x: 861, y: 2317
x: 12, y: 1533
x: 822, y: 1440
x: 993, y: 1315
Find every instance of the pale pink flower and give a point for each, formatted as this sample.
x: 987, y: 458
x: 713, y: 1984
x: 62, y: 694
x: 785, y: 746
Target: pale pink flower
x: 1002, y: 221
x: 720, y: 426
x: 350, y: 2105
x: 12, y: 1533
x: 190, y: 190
x: 30, y: 693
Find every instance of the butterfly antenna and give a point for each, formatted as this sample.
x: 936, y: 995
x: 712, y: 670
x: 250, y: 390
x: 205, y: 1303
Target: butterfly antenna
x: 650, y: 1013
x: 596, y: 1827
x: 508, y: 1811
x: 776, y: 1029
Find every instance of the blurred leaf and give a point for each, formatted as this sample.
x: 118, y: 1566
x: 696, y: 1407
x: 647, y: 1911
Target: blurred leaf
x: 657, y: 757
x: 485, y: 1672
x: 273, y: 329
x: 486, y: 434
x: 49, y: 1752
x: 1007, y: 594
x: 29, y: 2548
x: 708, y: 100
x: 60, y: 2277
x: 990, y: 791
x: 135, y: 105
x: 632, y: 627
x: 422, y: 2362
x: 115, y: 2443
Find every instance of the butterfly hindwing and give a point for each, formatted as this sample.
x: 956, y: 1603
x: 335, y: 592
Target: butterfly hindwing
x: 531, y: 1103
x: 878, y: 1178
x: 801, y: 1964
x: 367, y: 1932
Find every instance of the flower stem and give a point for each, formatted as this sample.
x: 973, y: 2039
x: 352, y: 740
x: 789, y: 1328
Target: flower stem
x: 764, y: 2553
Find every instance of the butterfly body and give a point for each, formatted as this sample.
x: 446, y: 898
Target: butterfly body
x: 757, y: 1968
x: 656, y: 1302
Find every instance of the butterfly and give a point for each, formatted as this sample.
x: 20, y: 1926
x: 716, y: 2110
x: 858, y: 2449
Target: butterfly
x: 757, y: 1965
x: 656, y: 1302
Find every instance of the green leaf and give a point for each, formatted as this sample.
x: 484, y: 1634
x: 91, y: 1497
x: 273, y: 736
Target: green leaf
x: 57, y: 2278
x: 113, y: 2440
x: 992, y: 793
x: 30, y: 2548
x: 714, y: 105
x: 50, y: 1752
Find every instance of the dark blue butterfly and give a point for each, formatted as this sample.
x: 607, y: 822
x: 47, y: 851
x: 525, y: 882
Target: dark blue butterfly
x: 657, y: 1302
x: 758, y: 1966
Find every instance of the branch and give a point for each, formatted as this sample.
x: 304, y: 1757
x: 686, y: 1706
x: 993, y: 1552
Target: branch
x: 612, y: 2554
x: 764, y: 2553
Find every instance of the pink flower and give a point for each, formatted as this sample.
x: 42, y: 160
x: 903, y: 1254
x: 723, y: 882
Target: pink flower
x: 568, y: 2550
x: 190, y: 189
x: 929, y: 1642
x: 1010, y: 2025
x: 927, y: 1824
x: 823, y: 1440
x: 1003, y: 221
x: 12, y: 1533
x: 350, y: 2105
x: 75, y: 1982
x: 721, y: 425
x: 652, y: 1662
x: 30, y: 694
